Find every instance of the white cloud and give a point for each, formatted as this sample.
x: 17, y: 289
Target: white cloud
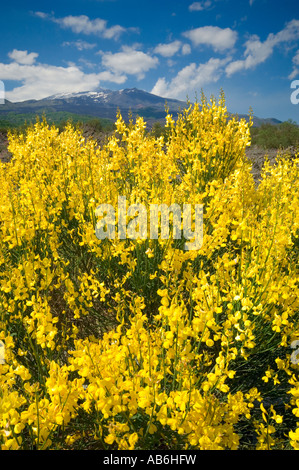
x: 295, y: 71
x: 190, y: 79
x: 289, y: 33
x: 129, y: 61
x: 234, y: 67
x: 83, y: 24
x: 80, y: 45
x: 42, y: 80
x: 219, y: 39
x: 171, y: 63
x: 108, y: 76
x: 168, y: 50
x: 41, y: 14
x: 87, y: 63
x: 296, y: 58
x: 22, y: 57
x: 257, y: 52
x: 172, y: 48
x: 199, y: 6
x: 186, y: 49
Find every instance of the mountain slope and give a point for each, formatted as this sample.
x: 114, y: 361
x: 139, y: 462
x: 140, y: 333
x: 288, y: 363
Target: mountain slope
x: 105, y: 103
x: 102, y: 103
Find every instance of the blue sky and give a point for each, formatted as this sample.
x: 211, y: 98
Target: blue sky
x: 249, y: 48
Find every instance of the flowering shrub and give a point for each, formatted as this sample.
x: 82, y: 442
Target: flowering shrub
x: 139, y: 344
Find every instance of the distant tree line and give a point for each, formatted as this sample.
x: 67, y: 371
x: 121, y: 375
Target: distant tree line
x: 17, y: 121
x: 281, y: 135
x: 266, y: 136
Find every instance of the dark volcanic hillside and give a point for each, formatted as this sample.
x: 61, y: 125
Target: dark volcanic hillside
x: 105, y: 104
x: 101, y: 103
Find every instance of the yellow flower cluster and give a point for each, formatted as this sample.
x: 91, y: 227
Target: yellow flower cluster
x: 138, y: 343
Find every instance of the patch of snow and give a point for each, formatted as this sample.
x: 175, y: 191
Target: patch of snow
x: 91, y: 94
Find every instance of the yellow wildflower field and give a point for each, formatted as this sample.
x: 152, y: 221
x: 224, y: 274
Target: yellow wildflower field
x: 138, y: 343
